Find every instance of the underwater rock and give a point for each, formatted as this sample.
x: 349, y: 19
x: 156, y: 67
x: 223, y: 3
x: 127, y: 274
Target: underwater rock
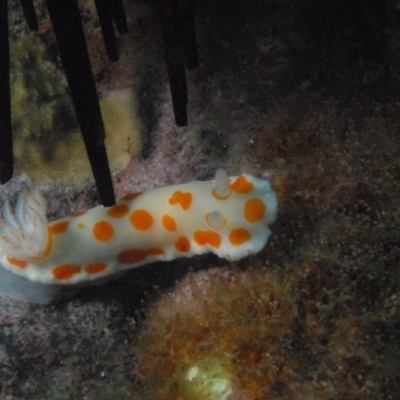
x: 48, y: 146
x: 221, y: 334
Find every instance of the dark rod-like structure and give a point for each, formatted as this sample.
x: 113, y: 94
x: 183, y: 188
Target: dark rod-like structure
x: 30, y: 15
x: 188, y: 35
x: 180, y: 51
x: 6, y: 153
x: 106, y: 23
x: 118, y: 15
x: 110, y: 11
x: 67, y: 26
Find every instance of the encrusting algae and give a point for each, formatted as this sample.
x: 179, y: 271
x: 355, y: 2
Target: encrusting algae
x: 220, y: 335
x: 255, y: 334
x: 48, y: 146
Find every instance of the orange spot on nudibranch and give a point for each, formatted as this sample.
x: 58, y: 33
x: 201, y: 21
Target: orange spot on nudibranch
x: 132, y: 256
x: 239, y: 236
x: 81, y: 226
x: 103, y: 231
x: 79, y: 213
x: 118, y: 211
x: 141, y: 220
x: 66, y: 271
x: 184, y: 199
x: 59, y: 227
x: 254, y: 210
x: 242, y: 185
x: 169, y: 223
x: 17, y: 263
x: 130, y: 196
x: 182, y: 244
x: 96, y: 268
x: 207, y: 237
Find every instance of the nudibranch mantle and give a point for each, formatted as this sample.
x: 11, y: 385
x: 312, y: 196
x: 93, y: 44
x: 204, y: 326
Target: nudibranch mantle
x: 227, y: 216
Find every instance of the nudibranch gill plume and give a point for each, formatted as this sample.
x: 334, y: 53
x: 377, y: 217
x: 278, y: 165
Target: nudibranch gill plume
x: 40, y: 261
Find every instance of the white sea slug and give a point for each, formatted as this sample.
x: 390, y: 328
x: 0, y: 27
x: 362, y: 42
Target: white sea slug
x: 41, y: 262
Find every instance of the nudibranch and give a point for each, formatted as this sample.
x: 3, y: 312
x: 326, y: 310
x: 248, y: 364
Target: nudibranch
x: 41, y: 262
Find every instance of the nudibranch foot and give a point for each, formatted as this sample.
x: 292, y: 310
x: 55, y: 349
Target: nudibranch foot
x: 227, y: 216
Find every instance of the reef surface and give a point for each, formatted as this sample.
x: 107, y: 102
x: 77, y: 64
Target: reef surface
x: 306, y: 96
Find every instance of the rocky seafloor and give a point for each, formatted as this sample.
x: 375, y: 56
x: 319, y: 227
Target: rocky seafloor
x: 306, y: 95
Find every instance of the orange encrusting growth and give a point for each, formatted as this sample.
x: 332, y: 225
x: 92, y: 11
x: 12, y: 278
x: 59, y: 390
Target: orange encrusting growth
x: 103, y: 231
x: 118, y: 211
x: 239, y: 236
x: 182, y: 244
x: 242, y: 322
x: 241, y: 185
x: 207, y: 237
x: 169, y: 223
x: 65, y: 271
x: 132, y: 256
x: 254, y: 210
x: 17, y: 263
x: 184, y: 199
x: 96, y: 268
x: 141, y: 220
